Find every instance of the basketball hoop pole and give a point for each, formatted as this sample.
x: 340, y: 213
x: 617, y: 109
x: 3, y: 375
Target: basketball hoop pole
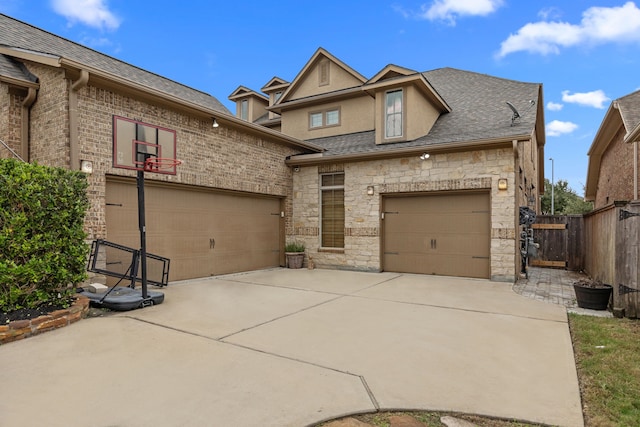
x: 143, y: 232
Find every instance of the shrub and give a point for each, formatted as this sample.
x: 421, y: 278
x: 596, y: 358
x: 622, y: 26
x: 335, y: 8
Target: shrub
x: 294, y: 247
x: 42, y: 247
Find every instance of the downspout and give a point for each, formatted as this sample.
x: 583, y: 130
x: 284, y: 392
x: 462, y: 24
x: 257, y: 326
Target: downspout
x: 635, y: 170
x: 26, y: 120
x: 74, y: 145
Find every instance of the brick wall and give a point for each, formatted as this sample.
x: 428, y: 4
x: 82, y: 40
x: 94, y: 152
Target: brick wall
x: 10, y: 120
x: 441, y: 172
x: 219, y: 158
x: 616, y: 172
x: 49, y: 121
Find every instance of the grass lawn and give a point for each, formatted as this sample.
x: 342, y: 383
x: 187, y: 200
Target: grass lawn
x: 607, y: 353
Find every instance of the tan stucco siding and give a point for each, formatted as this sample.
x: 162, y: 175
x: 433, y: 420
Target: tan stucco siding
x: 356, y: 115
x: 310, y: 85
x: 420, y: 113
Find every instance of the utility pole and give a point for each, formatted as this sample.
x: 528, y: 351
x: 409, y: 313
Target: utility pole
x: 552, y: 188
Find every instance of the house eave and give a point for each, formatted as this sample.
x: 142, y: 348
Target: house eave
x: 451, y: 147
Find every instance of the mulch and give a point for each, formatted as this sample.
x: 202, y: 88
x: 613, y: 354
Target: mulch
x: 31, y: 313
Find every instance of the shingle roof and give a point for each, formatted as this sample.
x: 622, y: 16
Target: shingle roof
x: 629, y: 106
x: 479, y: 112
x: 17, y: 34
x: 16, y: 70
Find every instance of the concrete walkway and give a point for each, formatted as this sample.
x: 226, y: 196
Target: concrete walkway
x: 295, y: 347
x: 555, y: 286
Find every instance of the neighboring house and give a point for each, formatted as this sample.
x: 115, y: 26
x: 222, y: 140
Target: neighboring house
x: 420, y: 172
x: 222, y: 211
x: 612, y: 174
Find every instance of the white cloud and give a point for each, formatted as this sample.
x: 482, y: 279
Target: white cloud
x: 598, y: 25
x: 449, y: 10
x: 557, y: 128
x: 94, y: 13
x: 554, y: 106
x: 596, y: 98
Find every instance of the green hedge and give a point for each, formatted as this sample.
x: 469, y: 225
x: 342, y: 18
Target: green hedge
x: 43, y: 251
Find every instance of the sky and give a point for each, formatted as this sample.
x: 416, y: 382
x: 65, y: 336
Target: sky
x: 586, y: 53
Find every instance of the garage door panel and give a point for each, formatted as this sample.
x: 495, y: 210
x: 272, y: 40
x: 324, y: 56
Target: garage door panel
x: 446, y: 234
x: 203, y: 233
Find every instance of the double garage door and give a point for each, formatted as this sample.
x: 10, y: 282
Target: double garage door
x: 203, y: 233
x: 443, y: 234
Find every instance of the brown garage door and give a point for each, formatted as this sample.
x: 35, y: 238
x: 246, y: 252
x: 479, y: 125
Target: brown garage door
x: 203, y: 233
x: 443, y: 234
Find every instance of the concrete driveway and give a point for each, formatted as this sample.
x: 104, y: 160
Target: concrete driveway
x: 295, y: 347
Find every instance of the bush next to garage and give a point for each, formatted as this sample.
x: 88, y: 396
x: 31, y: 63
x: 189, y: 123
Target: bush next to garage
x: 42, y: 241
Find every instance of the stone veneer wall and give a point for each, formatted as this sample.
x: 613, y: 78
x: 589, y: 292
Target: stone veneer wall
x: 441, y: 172
x: 20, y: 329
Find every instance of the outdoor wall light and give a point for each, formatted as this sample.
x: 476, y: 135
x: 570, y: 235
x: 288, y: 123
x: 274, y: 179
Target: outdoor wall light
x: 215, y: 123
x: 502, y: 184
x: 424, y: 156
x: 370, y: 190
x: 86, y: 166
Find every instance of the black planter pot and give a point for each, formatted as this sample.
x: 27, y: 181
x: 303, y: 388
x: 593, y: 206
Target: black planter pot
x: 593, y: 298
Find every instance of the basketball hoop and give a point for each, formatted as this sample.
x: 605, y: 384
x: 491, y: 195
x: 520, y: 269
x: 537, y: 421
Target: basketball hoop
x: 153, y: 164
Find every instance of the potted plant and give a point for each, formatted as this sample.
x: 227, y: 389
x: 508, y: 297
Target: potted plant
x: 592, y: 294
x: 294, y: 252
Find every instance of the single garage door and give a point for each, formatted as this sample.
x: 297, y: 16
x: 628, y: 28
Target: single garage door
x: 443, y: 234
x: 202, y: 232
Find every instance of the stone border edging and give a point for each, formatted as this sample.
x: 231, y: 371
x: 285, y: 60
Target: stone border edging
x: 19, y: 329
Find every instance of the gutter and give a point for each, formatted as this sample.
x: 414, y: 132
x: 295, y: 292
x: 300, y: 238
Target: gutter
x: 317, y: 159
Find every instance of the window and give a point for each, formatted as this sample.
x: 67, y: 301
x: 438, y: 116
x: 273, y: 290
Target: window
x: 393, y: 114
x: 332, y: 210
x: 244, y: 109
x: 315, y: 120
x: 319, y: 119
x: 333, y: 117
x: 277, y: 96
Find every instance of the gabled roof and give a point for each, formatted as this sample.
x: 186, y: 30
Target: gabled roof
x: 478, y: 113
x: 389, y: 72
x: 243, y: 92
x: 623, y: 112
x: 302, y: 74
x: 274, y: 84
x: 23, y: 41
x: 393, y: 75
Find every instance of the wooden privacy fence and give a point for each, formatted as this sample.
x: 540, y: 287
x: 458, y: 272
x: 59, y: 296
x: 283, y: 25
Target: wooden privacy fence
x: 561, y: 241
x: 604, y: 243
x: 612, y: 253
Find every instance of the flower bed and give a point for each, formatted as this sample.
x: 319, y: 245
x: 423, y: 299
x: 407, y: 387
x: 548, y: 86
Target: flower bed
x: 19, y: 329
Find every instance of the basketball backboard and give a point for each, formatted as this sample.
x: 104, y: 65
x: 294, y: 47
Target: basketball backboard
x: 135, y: 141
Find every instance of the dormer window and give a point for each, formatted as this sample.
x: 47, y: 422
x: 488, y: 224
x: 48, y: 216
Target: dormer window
x: 393, y: 114
x: 277, y: 96
x: 244, y: 109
